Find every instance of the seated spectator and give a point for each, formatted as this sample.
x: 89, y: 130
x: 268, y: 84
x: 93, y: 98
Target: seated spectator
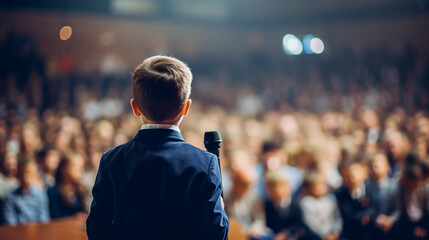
x: 28, y: 203
x: 48, y: 161
x: 357, y: 206
x: 245, y: 204
x: 90, y: 174
x: 413, y: 222
x: 8, y: 170
x: 273, y: 157
x: 397, y: 146
x: 281, y: 209
x: 319, y: 208
x: 67, y: 197
x: 385, y: 188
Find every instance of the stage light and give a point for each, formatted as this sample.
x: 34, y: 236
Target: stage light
x: 292, y: 45
x: 317, y: 46
x: 65, y: 33
x: 306, y: 44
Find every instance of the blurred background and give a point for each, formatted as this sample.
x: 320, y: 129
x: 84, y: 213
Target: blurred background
x: 320, y: 82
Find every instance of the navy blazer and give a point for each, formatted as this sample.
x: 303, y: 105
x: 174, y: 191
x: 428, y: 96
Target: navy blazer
x: 157, y: 186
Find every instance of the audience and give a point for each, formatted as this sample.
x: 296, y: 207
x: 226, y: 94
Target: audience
x: 292, y: 118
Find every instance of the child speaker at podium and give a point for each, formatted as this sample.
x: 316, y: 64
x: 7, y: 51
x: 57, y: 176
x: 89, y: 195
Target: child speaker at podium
x: 157, y: 186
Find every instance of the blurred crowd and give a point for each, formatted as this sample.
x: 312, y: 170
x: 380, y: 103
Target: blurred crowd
x: 312, y: 148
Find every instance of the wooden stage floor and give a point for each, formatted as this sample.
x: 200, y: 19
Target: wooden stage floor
x: 74, y: 229
x: 64, y: 229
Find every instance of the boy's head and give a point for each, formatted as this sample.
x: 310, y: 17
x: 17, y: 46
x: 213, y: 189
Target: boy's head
x: 412, y: 176
x: 277, y: 186
x: 354, y: 173
x: 272, y: 155
x: 379, y: 166
x: 415, y: 172
x: 243, y: 180
x: 316, y: 184
x: 161, y: 89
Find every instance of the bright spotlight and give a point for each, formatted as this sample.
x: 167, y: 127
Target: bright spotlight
x: 65, y: 32
x: 317, y: 46
x: 292, y: 45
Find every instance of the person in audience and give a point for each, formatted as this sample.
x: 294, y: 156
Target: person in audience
x: 29, y: 202
x: 90, y: 174
x: 8, y: 171
x: 385, y: 189
x: 48, y: 160
x: 283, y: 215
x: 357, y: 206
x: 245, y: 204
x: 319, y: 208
x: 67, y: 197
x: 413, y: 221
x: 273, y: 157
x: 397, y: 146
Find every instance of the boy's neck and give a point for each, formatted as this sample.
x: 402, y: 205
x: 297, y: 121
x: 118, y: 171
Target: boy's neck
x: 352, y: 188
x: 176, y: 122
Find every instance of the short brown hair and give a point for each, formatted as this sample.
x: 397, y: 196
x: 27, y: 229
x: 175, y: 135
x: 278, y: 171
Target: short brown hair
x: 161, y: 86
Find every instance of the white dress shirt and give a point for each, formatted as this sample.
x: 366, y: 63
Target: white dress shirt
x: 160, y: 126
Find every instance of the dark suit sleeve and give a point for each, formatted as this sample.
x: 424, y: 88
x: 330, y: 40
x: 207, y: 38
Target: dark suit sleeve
x: 99, y: 224
x: 216, y: 222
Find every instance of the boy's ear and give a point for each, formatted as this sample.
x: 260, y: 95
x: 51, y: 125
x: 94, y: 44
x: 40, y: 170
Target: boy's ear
x: 135, y: 108
x: 185, y: 109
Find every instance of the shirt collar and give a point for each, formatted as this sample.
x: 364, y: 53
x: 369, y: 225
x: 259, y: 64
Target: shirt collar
x: 285, y: 202
x: 158, y: 126
x: 359, y: 192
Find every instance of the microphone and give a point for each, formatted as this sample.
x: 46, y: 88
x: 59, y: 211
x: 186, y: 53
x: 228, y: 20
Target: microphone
x: 212, y: 142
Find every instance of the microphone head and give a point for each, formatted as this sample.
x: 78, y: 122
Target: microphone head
x: 212, y: 140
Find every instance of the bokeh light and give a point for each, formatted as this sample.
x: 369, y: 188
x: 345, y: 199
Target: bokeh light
x: 292, y: 45
x: 65, y: 33
x: 317, y: 46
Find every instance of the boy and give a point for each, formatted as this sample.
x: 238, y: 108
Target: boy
x: 385, y: 188
x: 319, y: 208
x: 357, y: 205
x: 281, y: 209
x: 157, y: 186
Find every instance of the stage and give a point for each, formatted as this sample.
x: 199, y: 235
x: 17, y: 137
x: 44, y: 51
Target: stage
x: 74, y: 229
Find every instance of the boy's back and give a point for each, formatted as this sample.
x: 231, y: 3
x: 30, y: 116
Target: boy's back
x: 158, y: 188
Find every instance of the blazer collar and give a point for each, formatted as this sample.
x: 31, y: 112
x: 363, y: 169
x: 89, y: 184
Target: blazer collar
x: 159, y: 134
